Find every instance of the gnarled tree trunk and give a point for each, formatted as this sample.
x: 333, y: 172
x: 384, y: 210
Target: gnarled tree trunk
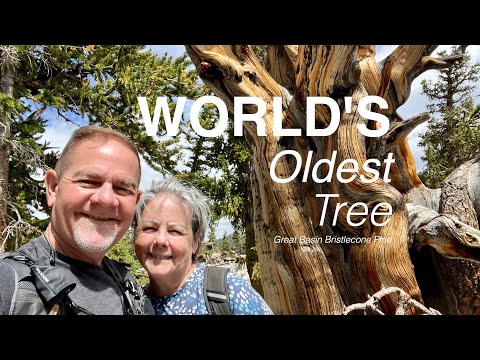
x: 305, y: 277
x: 450, y: 226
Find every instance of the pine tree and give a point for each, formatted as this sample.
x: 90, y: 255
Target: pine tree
x: 212, y: 238
x: 225, y: 246
x: 235, y: 240
x: 219, y: 166
x: 453, y: 134
x: 238, y: 240
x: 82, y: 85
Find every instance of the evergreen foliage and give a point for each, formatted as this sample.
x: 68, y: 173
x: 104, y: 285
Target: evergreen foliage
x: 453, y: 134
x: 82, y: 85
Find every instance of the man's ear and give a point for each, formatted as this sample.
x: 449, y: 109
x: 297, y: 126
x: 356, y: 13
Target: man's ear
x: 139, y: 192
x: 51, y: 186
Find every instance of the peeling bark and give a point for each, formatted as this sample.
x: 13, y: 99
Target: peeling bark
x: 250, y: 251
x: 445, y: 233
x: 281, y: 63
x: 452, y: 230
x: 463, y: 276
x: 457, y: 278
x: 474, y: 187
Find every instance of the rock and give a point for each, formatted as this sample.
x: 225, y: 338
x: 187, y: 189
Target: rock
x: 215, y: 256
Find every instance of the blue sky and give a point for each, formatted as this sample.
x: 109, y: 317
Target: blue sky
x: 58, y: 131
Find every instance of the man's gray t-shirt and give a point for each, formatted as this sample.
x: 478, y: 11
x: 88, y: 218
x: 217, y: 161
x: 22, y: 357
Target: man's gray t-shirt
x: 95, y: 291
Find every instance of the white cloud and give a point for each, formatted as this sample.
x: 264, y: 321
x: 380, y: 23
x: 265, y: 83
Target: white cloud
x: 224, y: 226
x: 57, y: 133
x: 383, y: 51
x: 148, y: 176
x: 38, y: 214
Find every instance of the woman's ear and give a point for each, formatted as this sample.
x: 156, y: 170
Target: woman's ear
x: 51, y: 186
x: 196, y: 242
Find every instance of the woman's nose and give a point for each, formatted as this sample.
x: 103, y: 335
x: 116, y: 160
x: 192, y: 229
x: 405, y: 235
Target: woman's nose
x: 160, y: 240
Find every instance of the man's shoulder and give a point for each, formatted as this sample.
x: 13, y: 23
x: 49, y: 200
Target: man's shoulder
x: 12, y: 271
x: 11, y: 266
x: 6, y: 269
x: 36, y: 249
x: 8, y: 279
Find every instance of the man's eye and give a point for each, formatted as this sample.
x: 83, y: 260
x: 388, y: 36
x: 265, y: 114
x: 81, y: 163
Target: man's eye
x: 123, y: 191
x: 87, y: 182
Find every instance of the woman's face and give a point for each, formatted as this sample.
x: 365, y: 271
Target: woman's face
x: 164, y: 243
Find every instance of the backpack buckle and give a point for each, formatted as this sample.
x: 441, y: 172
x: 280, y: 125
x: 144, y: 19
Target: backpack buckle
x: 131, y: 289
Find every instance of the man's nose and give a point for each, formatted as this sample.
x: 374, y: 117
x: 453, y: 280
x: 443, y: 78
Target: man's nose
x: 105, y: 196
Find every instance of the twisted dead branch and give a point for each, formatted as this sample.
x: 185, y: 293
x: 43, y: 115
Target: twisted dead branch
x: 404, y: 303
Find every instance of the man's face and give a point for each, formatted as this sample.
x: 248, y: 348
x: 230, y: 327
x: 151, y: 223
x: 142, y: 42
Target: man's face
x: 93, y: 203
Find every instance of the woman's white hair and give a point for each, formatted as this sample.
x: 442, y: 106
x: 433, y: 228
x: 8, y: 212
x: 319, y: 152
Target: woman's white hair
x: 189, y: 195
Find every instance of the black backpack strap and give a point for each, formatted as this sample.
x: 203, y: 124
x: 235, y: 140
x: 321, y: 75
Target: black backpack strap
x: 49, y: 281
x: 16, y: 260
x: 216, y: 291
x: 9, y: 283
x: 136, y: 301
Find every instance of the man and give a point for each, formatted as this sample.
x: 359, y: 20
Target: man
x: 92, y: 193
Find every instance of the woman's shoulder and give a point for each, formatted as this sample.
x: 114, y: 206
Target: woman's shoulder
x: 237, y: 284
x: 233, y: 276
x: 199, y: 270
x: 244, y: 299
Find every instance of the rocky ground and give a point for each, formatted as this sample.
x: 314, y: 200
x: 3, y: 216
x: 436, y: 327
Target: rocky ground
x: 232, y: 261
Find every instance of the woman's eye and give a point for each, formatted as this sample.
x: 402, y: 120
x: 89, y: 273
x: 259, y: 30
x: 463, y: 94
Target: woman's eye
x: 149, y: 229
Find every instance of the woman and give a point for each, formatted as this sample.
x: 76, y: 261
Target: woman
x: 171, y: 221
